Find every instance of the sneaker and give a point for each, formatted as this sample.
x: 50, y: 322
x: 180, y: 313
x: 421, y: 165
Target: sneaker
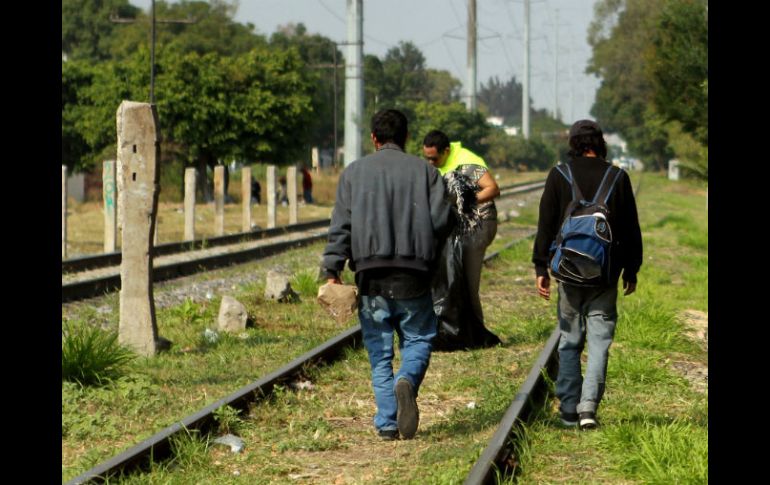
x: 569, y: 419
x: 388, y: 434
x: 587, y: 420
x: 407, y: 415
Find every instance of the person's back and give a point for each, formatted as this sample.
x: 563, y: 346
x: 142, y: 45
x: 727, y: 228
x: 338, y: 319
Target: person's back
x: 389, y: 218
x: 586, y: 314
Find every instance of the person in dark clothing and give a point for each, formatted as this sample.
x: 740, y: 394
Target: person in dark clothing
x: 587, y: 313
x: 307, y: 184
x: 390, y: 217
x: 256, y: 190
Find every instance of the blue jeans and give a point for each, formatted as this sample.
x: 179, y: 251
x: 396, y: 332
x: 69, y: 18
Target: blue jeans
x: 585, y: 314
x: 415, y: 323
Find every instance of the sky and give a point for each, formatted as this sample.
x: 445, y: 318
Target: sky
x: 438, y: 28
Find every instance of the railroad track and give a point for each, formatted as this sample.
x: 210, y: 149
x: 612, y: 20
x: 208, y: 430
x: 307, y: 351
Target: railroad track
x: 498, y: 455
x: 92, y: 276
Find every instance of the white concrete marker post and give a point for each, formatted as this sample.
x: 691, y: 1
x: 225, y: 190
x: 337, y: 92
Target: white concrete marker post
x: 110, y: 206
x: 314, y: 157
x: 270, y: 196
x: 291, y: 181
x: 138, y: 155
x: 190, y: 176
x: 63, y: 212
x: 219, y: 200
x: 246, y: 196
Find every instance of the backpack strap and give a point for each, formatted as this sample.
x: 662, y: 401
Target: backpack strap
x: 604, y: 190
x: 565, y: 170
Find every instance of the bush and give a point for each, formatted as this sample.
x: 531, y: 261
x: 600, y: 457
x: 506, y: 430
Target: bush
x: 92, y: 356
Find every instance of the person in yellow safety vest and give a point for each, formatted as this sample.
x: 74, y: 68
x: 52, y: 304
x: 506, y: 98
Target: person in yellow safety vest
x: 448, y: 157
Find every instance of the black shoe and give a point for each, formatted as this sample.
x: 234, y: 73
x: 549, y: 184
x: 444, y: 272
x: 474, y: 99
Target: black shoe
x: 407, y: 415
x: 388, y: 434
x: 588, y: 420
x: 569, y: 419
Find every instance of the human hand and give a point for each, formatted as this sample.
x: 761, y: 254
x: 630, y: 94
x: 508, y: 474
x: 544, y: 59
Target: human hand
x: 544, y: 287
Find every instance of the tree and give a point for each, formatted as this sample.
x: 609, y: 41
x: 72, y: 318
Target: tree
x: 318, y: 55
x: 502, y: 99
x: 453, y: 119
x: 679, y: 66
x: 622, y: 39
x: 213, y: 29
x: 86, y: 28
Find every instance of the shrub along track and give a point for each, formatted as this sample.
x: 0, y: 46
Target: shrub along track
x: 465, y: 404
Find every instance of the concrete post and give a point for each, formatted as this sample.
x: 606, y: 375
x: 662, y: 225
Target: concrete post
x: 110, y: 206
x: 673, y: 169
x: 314, y: 159
x: 63, y: 212
x: 270, y: 196
x: 190, y: 176
x: 354, y: 81
x: 291, y: 181
x: 219, y: 200
x: 138, y: 185
x: 246, y: 196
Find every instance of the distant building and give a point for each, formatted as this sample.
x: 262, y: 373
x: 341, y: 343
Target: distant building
x: 495, y: 120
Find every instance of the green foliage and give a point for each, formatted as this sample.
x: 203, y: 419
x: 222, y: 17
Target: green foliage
x: 679, y: 67
x: 518, y: 153
x: 306, y: 283
x: 675, y: 452
x: 652, y: 57
x: 453, y: 119
x: 87, y: 30
x: 502, y: 99
x: 188, y: 313
x: 92, y: 356
x: 228, y: 418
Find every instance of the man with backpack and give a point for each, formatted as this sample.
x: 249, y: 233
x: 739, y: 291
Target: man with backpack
x: 588, y: 235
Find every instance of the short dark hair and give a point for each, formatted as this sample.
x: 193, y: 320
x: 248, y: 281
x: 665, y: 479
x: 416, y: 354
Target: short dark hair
x: 580, y: 144
x: 437, y: 139
x: 390, y: 125
x: 586, y: 135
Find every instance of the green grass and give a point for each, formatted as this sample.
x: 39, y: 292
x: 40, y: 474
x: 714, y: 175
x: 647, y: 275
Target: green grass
x: 91, y: 356
x: 650, y: 415
x: 653, y: 421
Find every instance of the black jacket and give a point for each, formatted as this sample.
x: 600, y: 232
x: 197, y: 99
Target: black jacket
x: 391, y: 211
x: 626, y: 252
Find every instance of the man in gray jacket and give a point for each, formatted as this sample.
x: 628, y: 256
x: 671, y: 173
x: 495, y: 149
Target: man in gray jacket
x: 390, y: 217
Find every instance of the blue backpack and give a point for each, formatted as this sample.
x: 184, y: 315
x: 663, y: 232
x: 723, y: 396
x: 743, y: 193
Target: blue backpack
x: 581, y: 251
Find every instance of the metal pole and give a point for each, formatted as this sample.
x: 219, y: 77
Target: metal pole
x: 470, y: 102
x: 354, y: 82
x: 556, y: 69
x: 334, y: 155
x: 525, y: 93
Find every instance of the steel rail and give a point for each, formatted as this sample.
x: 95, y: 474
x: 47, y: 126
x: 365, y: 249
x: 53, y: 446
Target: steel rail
x: 105, y: 284
x: 82, y: 263
x: 499, y: 455
x: 157, y: 447
x: 101, y: 285
x: 93, y: 261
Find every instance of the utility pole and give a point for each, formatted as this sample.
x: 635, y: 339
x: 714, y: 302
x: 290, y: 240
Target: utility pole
x: 470, y: 102
x: 354, y: 81
x: 556, y: 68
x: 525, y: 93
x: 119, y: 20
